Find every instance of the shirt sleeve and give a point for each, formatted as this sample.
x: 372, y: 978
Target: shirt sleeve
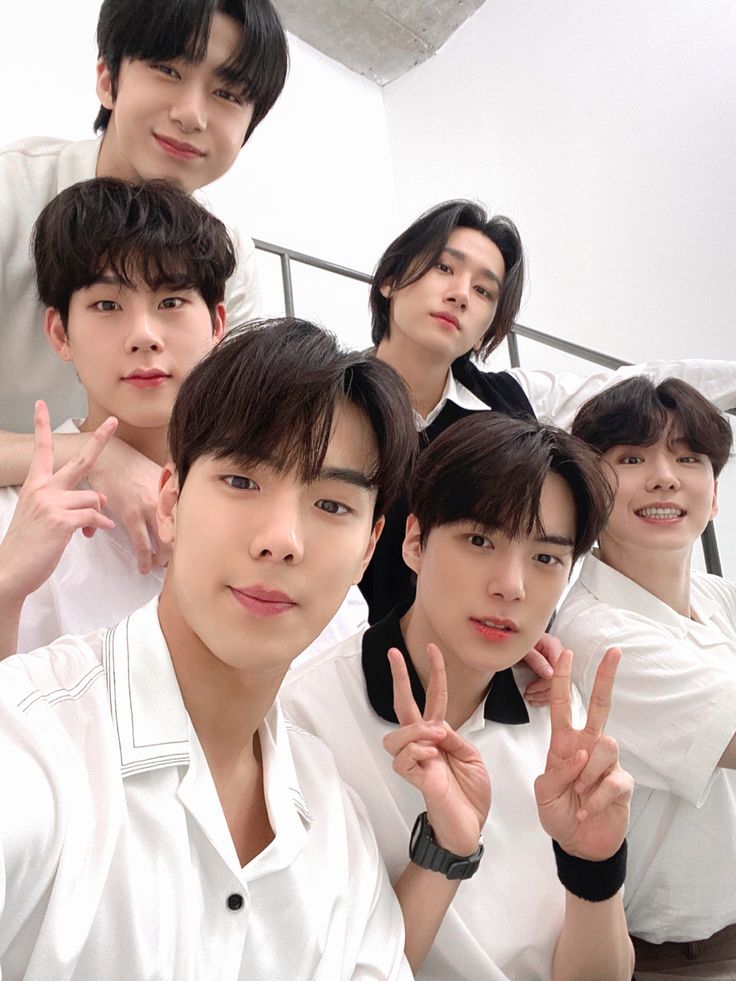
x: 243, y: 291
x: 674, y: 704
x: 556, y: 397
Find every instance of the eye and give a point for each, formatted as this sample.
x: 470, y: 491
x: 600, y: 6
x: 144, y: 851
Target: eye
x: 171, y: 303
x: 106, y: 306
x: 240, y: 483
x: 229, y: 96
x: 166, y: 70
x: 485, y: 293
x: 630, y: 459
x: 443, y: 267
x: 480, y: 541
x: 688, y: 458
x: 332, y: 507
x: 544, y: 558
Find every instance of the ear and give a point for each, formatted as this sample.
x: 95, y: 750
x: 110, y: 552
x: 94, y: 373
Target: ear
x: 103, y: 85
x: 168, y: 498
x: 56, y: 335
x: 218, y: 328
x: 714, y: 505
x: 386, y: 289
x: 370, y: 548
x: 411, y: 550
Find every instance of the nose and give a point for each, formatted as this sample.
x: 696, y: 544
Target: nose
x: 188, y: 110
x: 662, y: 474
x: 506, y: 579
x: 279, y: 536
x: 143, y: 335
x: 458, y: 290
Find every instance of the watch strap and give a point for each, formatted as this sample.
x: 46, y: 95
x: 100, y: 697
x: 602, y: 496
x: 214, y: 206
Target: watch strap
x: 427, y: 854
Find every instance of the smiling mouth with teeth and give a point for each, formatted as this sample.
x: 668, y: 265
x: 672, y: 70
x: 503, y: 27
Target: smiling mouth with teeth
x: 662, y: 513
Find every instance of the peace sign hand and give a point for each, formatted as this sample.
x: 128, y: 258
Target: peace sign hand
x: 583, y: 795
x: 447, y: 769
x: 50, y: 509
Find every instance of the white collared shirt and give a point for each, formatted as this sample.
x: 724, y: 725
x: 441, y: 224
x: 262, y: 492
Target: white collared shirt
x: 116, y: 861
x: 557, y: 396
x: 32, y: 172
x: 506, y: 920
x: 673, y: 714
x: 95, y: 584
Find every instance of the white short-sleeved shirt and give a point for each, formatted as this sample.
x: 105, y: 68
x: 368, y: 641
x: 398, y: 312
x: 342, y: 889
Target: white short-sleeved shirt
x: 673, y: 715
x: 95, y: 584
x: 505, y: 921
x: 115, y: 857
x: 556, y: 397
x: 32, y: 172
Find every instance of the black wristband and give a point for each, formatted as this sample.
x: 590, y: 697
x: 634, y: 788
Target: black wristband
x: 594, y: 881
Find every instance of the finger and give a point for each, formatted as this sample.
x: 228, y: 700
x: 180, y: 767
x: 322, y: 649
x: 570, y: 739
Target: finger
x: 602, y: 758
x: 538, y: 663
x: 79, y: 466
x: 141, y: 542
x: 42, y: 461
x: 405, y: 707
x: 396, y: 740
x: 435, y: 706
x: 88, y: 518
x: 600, y: 697
x: 616, y: 788
x: 558, y: 779
x: 457, y: 747
x: 409, y: 762
x: 560, y: 707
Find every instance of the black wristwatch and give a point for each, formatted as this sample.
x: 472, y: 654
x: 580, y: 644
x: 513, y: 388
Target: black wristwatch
x: 427, y: 854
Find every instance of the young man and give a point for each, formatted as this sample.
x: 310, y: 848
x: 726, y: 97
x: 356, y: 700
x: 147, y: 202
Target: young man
x: 674, y: 710
x: 449, y: 287
x: 182, y: 85
x: 500, y: 509
x: 132, y: 278
x: 160, y: 819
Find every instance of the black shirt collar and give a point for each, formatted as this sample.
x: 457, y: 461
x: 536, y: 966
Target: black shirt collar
x: 503, y: 701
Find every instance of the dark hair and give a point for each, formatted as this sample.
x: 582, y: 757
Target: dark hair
x: 418, y: 248
x: 151, y: 231
x: 153, y: 30
x: 269, y: 391
x: 489, y: 468
x: 636, y: 412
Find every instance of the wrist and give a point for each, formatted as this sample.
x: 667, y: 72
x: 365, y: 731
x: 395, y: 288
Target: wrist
x: 589, y: 880
x: 460, y: 842
x: 427, y: 853
x: 11, y: 600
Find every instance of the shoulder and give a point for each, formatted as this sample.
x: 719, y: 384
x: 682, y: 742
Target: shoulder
x: 722, y: 591
x: 497, y: 388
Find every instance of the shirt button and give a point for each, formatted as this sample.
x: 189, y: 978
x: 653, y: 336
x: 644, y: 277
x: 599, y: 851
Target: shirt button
x: 235, y: 902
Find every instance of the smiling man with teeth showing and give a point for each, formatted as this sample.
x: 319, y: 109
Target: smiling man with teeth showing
x: 674, y: 708
x: 500, y: 509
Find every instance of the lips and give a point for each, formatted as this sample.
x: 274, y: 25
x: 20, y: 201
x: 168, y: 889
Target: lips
x: 261, y: 601
x: 494, y: 629
x: 666, y: 511
x: 447, y: 319
x: 175, y: 148
x: 147, y: 378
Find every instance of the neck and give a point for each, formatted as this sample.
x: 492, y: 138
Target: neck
x: 226, y: 704
x: 109, y: 163
x: 466, y: 689
x: 424, y: 374
x: 152, y: 443
x: 665, y: 575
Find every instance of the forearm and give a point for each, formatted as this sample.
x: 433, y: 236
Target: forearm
x: 424, y: 897
x: 10, y: 610
x: 16, y: 452
x: 594, y: 942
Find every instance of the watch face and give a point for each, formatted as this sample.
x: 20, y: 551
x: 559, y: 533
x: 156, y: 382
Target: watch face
x: 416, y: 833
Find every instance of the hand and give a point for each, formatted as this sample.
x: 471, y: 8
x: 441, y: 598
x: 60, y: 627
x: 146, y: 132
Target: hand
x: 542, y: 659
x: 50, y: 510
x: 130, y: 483
x: 583, y: 795
x: 447, y: 769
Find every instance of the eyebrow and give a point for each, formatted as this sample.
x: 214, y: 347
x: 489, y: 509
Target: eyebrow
x: 487, y: 273
x: 348, y: 476
x: 555, y: 540
x: 106, y: 279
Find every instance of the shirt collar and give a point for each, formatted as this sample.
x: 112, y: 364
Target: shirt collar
x: 456, y: 392
x: 503, y: 703
x: 612, y: 587
x: 78, y: 162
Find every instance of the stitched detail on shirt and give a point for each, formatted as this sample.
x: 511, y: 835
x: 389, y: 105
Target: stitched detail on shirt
x: 62, y: 694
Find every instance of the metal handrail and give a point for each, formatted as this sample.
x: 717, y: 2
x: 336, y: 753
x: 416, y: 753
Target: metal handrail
x: 287, y: 256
